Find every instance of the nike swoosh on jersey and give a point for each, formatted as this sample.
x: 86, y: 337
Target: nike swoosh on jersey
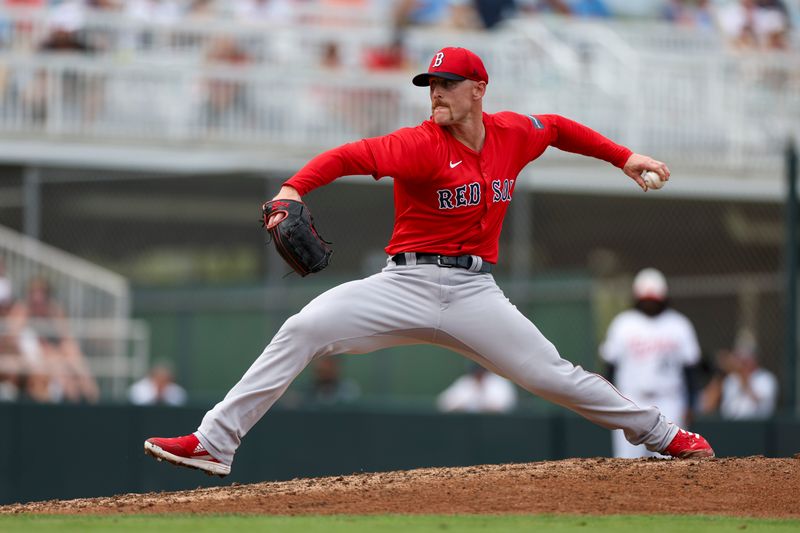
x: 454, y: 165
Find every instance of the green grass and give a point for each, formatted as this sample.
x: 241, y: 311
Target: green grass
x: 394, y: 523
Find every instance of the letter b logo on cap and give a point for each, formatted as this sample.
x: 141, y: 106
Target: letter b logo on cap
x: 437, y: 61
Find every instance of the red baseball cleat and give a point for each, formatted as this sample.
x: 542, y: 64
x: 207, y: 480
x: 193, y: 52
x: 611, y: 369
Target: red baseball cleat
x: 687, y: 445
x: 185, y: 451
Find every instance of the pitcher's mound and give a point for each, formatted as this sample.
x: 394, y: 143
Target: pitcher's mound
x: 750, y: 486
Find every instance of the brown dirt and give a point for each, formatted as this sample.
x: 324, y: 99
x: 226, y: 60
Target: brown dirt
x: 749, y: 486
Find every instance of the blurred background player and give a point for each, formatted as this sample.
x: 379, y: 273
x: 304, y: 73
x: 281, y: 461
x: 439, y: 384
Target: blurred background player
x: 158, y: 387
x: 741, y: 389
x: 650, y: 350
x: 478, y: 391
x: 329, y: 386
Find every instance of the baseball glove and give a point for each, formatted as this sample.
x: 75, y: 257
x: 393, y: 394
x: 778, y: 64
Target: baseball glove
x: 295, y: 236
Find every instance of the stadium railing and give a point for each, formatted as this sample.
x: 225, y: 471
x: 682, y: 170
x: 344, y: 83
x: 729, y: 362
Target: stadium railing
x: 689, y: 109
x: 687, y: 99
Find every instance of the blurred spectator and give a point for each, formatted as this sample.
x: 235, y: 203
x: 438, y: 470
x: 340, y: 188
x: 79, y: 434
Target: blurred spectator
x: 276, y: 11
x: 158, y: 387
x: 23, y: 373
x: 79, y: 94
x: 160, y: 12
x: 588, y: 8
x: 105, y: 5
x: 741, y: 389
x: 465, y: 15
x: 225, y: 96
x: 366, y: 110
x: 422, y: 13
x: 205, y: 10
x: 62, y: 39
x: 58, y: 369
x: 389, y: 57
x: 650, y: 351
x: 332, y: 12
x: 755, y: 24
x: 10, y: 358
x: 576, y: 8
x: 328, y: 387
x: 225, y: 50
x: 490, y: 13
x: 67, y: 15
x: 690, y: 13
x: 25, y: 3
x: 478, y: 391
x: 108, y: 38
x: 331, y: 56
x: 558, y: 7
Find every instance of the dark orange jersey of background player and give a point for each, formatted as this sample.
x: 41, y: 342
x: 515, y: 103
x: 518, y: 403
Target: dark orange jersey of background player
x: 450, y: 199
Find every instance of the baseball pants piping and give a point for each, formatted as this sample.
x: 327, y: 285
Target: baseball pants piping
x: 672, y: 407
x: 415, y: 304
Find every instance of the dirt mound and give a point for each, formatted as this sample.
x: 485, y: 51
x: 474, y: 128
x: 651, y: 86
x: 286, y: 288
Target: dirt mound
x: 750, y: 486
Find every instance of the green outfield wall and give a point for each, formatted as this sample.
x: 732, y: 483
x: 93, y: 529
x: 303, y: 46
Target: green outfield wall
x: 80, y: 451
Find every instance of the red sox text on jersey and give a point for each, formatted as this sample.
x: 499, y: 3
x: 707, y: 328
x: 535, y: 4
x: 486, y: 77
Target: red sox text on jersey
x: 470, y: 194
x: 450, y: 199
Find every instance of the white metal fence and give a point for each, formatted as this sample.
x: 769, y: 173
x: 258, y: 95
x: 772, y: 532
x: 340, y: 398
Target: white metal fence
x: 702, y: 110
x: 684, y: 99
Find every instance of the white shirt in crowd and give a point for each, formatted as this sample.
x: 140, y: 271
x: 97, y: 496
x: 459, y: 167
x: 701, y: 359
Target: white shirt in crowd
x: 276, y: 11
x: 738, y: 405
x: 166, y: 12
x: 734, y: 18
x: 145, y: 392
x: 488, y: 394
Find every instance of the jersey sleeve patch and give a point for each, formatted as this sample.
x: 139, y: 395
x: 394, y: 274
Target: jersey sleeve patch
x: 536, y: 122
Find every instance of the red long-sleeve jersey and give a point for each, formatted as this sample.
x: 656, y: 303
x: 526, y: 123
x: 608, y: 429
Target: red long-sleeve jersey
x: 450, y: 199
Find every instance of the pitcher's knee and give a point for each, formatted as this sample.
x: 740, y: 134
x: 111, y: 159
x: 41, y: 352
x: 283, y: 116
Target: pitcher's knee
x: 299, y: 327
x: 306, y: 334
x: 553, y: 377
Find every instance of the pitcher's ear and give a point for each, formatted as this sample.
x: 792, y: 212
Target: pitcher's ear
x: 478, y: 89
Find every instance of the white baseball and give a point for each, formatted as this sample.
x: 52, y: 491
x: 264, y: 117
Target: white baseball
x: 652, y: 179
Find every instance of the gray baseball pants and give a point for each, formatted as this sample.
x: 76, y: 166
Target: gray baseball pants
x: 424, y: 304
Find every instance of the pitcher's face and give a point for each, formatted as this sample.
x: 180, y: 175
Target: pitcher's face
x: 452, y: 101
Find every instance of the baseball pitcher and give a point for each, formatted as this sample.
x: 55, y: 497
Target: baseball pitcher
x: 454, y: 177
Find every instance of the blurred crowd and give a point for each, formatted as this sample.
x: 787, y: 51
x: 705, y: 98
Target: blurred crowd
x: 225, y: 101
x: 763, y: 24
x: 76, y: 27
x: 40, y: 359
